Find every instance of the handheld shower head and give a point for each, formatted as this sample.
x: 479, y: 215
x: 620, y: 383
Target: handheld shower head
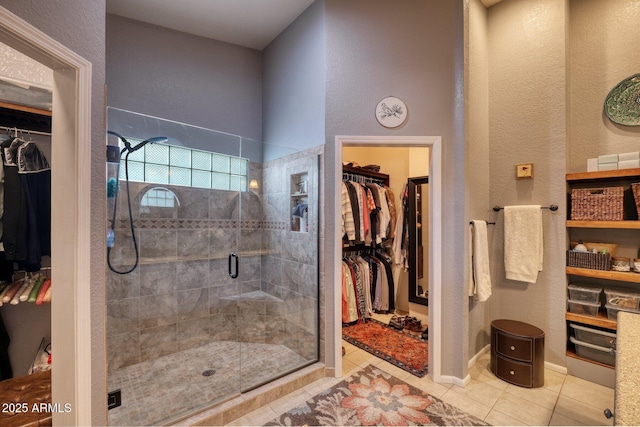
x: 112, y: 191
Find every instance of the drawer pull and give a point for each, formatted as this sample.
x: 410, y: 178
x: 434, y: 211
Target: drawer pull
x: 513, y: 347
x: 512, y: 372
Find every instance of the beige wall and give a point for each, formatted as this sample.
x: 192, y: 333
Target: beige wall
x: 603, y: 38
x: 477, y: 152
x: 545, y: 107
x: 526, y: 123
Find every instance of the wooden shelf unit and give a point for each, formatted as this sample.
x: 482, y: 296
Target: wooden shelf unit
x: 621, y: 177
x: 602, y: 321
x: 621, y: 276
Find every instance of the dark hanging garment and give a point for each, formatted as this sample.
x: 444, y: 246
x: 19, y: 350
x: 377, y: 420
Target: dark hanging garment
x: 5, y: 365
x: 35, y: 176
x: 14, y: 219
x: 386, y: 263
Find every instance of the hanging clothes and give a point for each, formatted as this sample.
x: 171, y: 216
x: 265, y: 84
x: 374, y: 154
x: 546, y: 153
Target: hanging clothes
x: 5, y: 365
x: 368, y: 206
x: 14, y: 219
x: 35, y: 176
x: 26, y: 216
x: 401, y: 239
x: 368, y: 286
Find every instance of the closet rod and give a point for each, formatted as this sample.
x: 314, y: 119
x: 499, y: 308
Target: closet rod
x: 25, y: 271
x: 551, y: 208
x: 488, y: 223
x: 16, y: 130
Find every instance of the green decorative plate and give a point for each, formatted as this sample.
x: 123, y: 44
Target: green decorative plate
x: 622, y: 105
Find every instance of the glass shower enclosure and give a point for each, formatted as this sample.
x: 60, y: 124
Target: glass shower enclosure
x: 224, y: 297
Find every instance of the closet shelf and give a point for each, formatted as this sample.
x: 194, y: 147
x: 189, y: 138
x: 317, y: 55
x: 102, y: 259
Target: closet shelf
x: 605, y: 274
x: 601, y: 320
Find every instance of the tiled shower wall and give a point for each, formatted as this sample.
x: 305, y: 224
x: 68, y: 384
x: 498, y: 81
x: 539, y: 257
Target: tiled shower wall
x: 290, y: 260
x: 181, y: 295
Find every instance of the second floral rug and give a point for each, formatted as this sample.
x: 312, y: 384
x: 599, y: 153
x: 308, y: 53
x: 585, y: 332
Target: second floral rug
x: 373, y: 397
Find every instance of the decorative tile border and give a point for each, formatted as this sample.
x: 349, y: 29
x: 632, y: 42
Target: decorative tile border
x: 198, y: 224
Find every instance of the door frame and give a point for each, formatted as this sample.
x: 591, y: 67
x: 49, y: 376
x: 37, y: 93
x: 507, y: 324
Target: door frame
x: 435, y: 239
x: 70, y: 215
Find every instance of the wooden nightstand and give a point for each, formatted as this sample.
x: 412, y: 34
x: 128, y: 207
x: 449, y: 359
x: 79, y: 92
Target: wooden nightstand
x: 517, y: 352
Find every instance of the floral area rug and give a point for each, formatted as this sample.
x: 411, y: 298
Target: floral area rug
x: 399, y: 348
x: 372, y: 397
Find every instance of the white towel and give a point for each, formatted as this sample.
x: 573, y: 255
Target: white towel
x: 480, y: 271
x: 523, y: 252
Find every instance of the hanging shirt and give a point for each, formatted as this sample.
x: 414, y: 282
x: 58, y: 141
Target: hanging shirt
x: 348, y: 227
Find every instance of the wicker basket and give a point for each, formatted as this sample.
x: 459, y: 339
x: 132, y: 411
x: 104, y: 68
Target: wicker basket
x: 636, y: 196
x: 590, y: 260
x: 597, y: 204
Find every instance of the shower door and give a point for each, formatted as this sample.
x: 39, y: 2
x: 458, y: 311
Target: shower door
x: 173, y: 336
x: 225, y: 295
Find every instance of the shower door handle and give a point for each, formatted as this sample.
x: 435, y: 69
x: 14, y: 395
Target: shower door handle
x: 233, y: 274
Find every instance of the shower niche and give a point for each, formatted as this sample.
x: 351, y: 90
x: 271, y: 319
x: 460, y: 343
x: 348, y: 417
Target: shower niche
x: 299, y: 184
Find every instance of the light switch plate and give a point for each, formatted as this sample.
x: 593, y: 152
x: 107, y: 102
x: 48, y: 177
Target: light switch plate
x: 524, y: 170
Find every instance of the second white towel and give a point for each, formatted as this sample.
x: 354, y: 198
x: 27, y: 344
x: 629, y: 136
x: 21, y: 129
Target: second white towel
x: 480, y: 269
x: 523, y: 248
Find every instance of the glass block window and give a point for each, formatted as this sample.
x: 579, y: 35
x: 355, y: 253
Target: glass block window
x: 168, y: 164
x: 159, y: 197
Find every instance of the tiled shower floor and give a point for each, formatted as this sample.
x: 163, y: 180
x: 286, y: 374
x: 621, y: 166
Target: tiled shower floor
x: 156, y: 391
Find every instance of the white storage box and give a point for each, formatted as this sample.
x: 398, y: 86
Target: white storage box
x: 634, y: 155
x: 584, y: 293
x: 608, y: 158
x: 595, y: 352
x: 629, y: 164
x: 622, y: 298
x: 585, y: 308
x: 594, y: 336
x: 607, y: 166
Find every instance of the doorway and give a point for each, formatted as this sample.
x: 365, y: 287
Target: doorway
x: 435, y: 240
x: 70, y: 219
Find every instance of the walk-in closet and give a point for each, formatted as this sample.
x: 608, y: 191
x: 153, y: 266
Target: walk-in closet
x: 25, y: 226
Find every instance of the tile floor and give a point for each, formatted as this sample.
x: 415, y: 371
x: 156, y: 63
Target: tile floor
x: 155, y: 391
x: 564, y: 400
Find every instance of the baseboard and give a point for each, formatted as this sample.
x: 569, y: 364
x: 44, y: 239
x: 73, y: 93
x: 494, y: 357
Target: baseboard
x: 461, y: 382
x: 450, y: 379
x: 478, y: 355
x: 556, y: 368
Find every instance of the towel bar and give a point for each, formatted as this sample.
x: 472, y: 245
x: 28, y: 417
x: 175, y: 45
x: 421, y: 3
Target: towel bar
x: 551, y: 208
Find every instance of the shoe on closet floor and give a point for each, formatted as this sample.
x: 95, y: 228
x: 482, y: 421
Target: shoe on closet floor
x: 425, y: 334
x: 398, y: 322
x: 413, y: 324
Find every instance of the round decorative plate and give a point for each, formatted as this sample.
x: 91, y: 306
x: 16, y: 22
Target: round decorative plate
x: 622, y: 105
x: 391, y: 112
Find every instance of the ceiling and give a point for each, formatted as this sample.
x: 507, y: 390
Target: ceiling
x: 248, y: 23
